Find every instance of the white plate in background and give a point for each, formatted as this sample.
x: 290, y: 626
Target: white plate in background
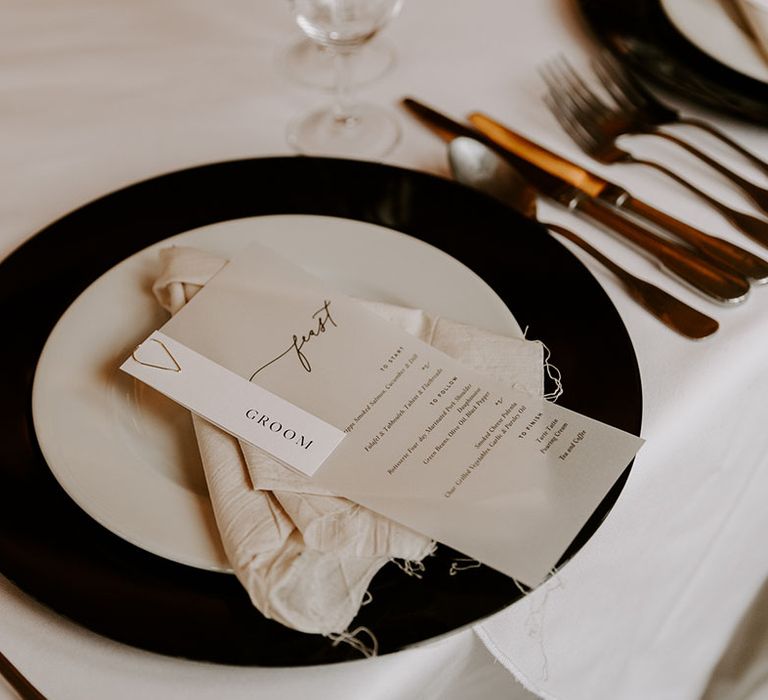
x: 708, y: 25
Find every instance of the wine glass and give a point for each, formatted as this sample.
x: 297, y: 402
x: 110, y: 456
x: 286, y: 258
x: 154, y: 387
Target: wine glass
x: 346, y: 127
x: 311, y: 64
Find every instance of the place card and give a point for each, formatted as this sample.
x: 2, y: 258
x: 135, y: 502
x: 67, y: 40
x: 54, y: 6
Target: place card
x: 272, y: 355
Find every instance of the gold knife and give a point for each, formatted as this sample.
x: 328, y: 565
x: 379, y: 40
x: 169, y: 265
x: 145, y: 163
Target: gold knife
x: 722, y: 285
x: 736, y: 258
x: 476, y: 165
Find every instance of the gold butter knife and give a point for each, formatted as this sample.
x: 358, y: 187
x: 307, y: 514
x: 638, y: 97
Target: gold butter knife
x: 716, y: 249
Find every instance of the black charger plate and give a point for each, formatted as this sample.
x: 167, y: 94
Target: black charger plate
x: 59, y: 555
x: 640, y: 34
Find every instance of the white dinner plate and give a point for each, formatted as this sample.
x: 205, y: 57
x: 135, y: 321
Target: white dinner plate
x: 709, y: 26
x: 127, y: 455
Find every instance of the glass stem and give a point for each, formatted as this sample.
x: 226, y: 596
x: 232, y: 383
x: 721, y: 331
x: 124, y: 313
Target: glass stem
x: 343, y: 110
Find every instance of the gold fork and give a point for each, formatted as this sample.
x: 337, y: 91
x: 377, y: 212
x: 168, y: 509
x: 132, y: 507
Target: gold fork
x: 595, y: 126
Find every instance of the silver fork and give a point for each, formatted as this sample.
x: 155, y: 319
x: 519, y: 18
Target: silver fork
x: 595, y: 127
x: 624, y: 118
x: 624, y: 87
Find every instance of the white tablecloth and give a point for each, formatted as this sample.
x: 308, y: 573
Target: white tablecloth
x: 99, y: 94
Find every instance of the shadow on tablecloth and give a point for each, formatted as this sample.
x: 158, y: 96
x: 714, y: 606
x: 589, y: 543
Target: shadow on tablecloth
x: 742, y: 672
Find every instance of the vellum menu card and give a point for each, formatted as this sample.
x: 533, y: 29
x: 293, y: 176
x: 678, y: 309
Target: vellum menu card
x: 270, y: 354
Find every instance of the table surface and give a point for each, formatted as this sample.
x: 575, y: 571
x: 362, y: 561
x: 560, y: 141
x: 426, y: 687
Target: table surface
x: 98, y: 95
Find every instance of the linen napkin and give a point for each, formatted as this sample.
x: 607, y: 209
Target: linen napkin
x: 305, y: 556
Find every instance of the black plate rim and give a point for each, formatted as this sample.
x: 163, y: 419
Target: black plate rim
x: 81, y: 216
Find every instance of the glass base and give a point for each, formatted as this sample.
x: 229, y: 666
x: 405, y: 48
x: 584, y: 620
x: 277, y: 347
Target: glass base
x: 371, y: 133
x: 311, y: 64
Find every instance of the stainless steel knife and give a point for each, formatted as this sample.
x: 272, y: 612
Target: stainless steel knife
x: 722, y: 285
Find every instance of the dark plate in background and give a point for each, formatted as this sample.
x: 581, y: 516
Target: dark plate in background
x: 58, y: 554
x: 641, y: 36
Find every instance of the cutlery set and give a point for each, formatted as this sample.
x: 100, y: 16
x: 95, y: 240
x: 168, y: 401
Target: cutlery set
x: 595, y: 127
x: 476, y: 165
x: 731, y: 257
x: 493, y: 158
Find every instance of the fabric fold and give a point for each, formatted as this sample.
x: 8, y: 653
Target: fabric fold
x: 305, y: 556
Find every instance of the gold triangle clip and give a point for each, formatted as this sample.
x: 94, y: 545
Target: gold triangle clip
x: 175, y: 368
